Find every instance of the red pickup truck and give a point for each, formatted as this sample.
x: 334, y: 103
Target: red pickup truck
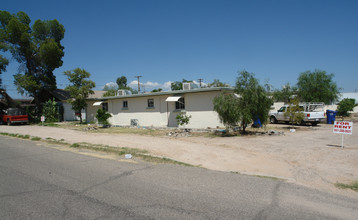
x: 14, y: 115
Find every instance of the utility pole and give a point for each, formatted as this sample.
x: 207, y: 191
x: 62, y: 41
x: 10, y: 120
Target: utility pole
x: 138, y: 83
x: 200, y: 81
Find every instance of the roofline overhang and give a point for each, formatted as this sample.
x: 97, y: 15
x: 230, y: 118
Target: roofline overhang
x: 169, y: 93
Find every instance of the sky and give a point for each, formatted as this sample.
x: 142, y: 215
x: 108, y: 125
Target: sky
x: 169, y: 40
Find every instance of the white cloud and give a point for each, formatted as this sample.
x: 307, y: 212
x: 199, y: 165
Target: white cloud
x: 148, y: 86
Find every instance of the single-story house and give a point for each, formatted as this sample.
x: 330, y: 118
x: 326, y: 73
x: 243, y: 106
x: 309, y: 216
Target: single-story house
x: 159, y: 109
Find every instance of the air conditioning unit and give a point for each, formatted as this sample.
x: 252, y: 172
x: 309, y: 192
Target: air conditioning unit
x: 190, y: 86
x: 186, y: 86
x: 121, y: 92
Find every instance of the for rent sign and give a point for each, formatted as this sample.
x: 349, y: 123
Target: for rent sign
x: 343, y: 127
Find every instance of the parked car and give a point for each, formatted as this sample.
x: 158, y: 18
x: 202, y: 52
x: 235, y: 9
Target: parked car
x: 313, y: 113
x: 14, y: 115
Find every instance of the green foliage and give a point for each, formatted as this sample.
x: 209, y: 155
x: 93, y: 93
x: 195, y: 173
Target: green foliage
x: 317, y: 86
x: 157, y: 90
x: 344, y: 106
x: 253, y: 101
x: 103, y: 116
x: 50, y: 111
x: 183, y: 119
x: 122, y: 82
x: 217, y: 83
x: 227, y: 107
x: 352, y: 186
x: 294, y: 112
x: 37, y: 49
x: 177, y: 85
x: 79, y: 89
x: 285, y: 94
x: 110, y: 93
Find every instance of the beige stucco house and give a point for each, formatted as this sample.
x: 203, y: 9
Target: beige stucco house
x: 160, y: 109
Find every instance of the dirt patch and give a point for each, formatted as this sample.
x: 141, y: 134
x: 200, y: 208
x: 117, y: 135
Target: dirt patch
x: 310, y: 156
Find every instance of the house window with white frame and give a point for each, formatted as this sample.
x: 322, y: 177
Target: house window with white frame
x: 150, y: 103
x: 125, y: 104
x: 105, y: 106
x: 180, y: 104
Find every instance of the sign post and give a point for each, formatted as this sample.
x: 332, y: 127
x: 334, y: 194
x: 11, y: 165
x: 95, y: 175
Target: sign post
x: 42, y: 120
x: 343, y: 127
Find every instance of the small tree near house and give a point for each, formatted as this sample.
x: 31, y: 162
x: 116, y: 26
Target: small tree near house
x: 102, y: 117
x: 344, y: 106
x: 79, y: 89
x: 183, y: 119
x: 294, y: 112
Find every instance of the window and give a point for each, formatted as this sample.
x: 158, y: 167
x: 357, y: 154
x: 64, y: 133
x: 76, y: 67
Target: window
x: 105, y: 106
x: 125, y: 104
x: 150, y: 103
x: 180, y: 104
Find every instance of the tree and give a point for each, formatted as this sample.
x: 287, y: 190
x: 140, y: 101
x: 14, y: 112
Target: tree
x: 111, y: 90
x: 102, y: 117
x: 177, y: 85
x: 344, y: 106
x: 285, y: 94
x: 227, y: 107
x: 157, y: 90
x: 253, y: 100
x: 38, y: 50
x: 183, y: 119
x: 50, y: 111
x: 217, y: 83
x: 122, y: 82
x: 80, y: 88
x: 317, y: 86
x: 294, y: 112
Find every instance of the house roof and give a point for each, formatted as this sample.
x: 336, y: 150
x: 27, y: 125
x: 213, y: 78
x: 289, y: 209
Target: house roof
x: 97, y: 94
x: 175, y: 92
x: 60, y: 94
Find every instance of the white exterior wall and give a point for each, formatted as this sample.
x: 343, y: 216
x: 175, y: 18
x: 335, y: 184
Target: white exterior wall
x: 69, y: 114
x: 198, y: 105
x: 91, y: 111
x: 201, y: 109
x: 138, y: 109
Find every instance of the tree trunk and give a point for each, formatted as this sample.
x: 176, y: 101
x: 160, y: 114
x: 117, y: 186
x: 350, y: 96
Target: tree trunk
x: 81, y: 116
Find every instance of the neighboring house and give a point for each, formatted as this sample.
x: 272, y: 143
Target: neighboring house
x: 66, y: 112
x: 160, y: 109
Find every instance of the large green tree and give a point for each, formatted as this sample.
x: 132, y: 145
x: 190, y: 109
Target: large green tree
x: 249, y: 103
x: 37, y: 49
x: 228, y: 108
x: 122, y: 82
x: 79, y: 89
x: 285, y: 94
x: 317, y: 86
x: 254, y: 102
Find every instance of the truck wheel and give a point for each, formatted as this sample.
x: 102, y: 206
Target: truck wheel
x: 8, y: 122
x: 273, y: 120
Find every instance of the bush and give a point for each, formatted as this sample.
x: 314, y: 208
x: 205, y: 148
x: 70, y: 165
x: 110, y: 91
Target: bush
x: 50, y: 111
x: 102, y: 117
x: 183, y: 119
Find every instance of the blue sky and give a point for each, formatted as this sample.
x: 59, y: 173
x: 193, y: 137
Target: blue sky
x: 166, y: 41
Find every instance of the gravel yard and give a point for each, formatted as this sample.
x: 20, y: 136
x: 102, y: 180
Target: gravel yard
x: 311, y: 156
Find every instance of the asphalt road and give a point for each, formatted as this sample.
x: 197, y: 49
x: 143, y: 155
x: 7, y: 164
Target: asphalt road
x: 41, y: 181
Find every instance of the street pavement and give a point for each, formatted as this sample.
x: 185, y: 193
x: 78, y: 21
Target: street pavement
x: 44, y: 181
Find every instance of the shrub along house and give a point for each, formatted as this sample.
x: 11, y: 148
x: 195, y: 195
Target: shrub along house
x: 159, y: 109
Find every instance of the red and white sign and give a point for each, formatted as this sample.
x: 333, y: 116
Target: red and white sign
x: 343, y: 127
